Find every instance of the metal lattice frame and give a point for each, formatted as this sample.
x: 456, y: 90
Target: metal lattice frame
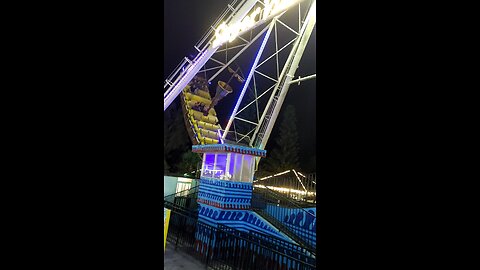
x: 265, y: 116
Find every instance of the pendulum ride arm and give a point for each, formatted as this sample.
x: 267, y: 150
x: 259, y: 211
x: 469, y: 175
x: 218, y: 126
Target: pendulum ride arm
x: 190, y: 70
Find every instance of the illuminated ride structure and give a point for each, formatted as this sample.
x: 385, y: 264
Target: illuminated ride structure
x: 231, y: 224
x: 282, y: 27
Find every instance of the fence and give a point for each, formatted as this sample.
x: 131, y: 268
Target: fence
x: 227, y: 248
x: 186, y: 199
x: 288, y: 215
x: 274, y: 243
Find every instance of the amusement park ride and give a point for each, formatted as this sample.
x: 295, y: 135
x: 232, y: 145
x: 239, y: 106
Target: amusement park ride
x: 225, y: 198
x: 237, y: 29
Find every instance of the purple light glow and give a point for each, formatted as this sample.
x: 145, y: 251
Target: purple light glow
x: 220, y: 136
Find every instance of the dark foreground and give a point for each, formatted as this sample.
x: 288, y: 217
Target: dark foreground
x: 176, y: 260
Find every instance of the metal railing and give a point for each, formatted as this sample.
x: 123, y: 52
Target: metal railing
x: 227, y: 248
x: 187, y: 192
x: 287, y: 215
x: 275, y: 243
x: 185, y: 199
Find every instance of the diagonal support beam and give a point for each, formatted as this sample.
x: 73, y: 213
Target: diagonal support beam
x: 277, y: 52
x: 246, y: 135
x: 249, y: 77
x: 300, y: 79
x: 256, y: 99
x: 288, y: 27
x: 247, y: 121
x: 266, y: 76
x: 269, y: 116
x: 238, y: 54
x: 199, y: 61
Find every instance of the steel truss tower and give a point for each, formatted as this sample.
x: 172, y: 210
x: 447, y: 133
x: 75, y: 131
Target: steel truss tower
x: 270, y: 19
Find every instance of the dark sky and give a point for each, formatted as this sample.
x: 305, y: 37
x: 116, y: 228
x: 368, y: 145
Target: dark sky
x: 186, y: 21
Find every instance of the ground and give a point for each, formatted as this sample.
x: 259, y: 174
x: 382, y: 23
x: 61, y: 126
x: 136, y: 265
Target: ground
x: 176, y: 260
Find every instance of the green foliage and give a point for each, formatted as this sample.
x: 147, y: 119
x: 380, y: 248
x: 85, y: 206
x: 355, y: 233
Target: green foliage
x: 189, y: 162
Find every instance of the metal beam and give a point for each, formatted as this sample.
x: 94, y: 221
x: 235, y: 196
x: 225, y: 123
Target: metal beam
x: 266, y: 91
x: 246, y: 136
x: 300, y: 79
x: 238, y: 54
x: 209, y: 69
x: 217, y: 61
x: 201, y: 59
x: 247, y: 121
x: 266, y: 76
x: 249, y: 77
x: 288, y: 27
x: 231, y: 48
x: 262, y: 132
x: 277, y: 52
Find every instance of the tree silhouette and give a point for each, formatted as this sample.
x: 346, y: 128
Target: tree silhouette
x: 175, y: 138
x: 189, y: 163
x: 166, y: 167
x: 285, y: 150
x: 311, y: 165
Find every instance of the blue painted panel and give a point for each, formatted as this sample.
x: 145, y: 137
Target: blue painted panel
x: 239, y: 219
x: 225, y: 194
x: 298, y: 220
x: 245, y: 221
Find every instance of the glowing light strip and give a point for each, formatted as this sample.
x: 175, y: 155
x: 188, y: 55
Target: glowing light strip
x: 286, y: 190
x: 225, y: 32
x: 299, y: 180
x: 282, y: 173
x: 220, y: 136
x: 270, y: 176
x: 306, y: 177
x: 247, y: 82
x: 266, y: 177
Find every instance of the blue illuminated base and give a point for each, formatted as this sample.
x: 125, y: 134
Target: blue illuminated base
x: 242, y: 220
x: 228, y: 203
x: 298, y: 220
x: 225, y: 194
x: 246, y: 221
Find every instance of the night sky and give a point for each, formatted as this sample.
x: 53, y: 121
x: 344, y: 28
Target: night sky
x: 186, y: 21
